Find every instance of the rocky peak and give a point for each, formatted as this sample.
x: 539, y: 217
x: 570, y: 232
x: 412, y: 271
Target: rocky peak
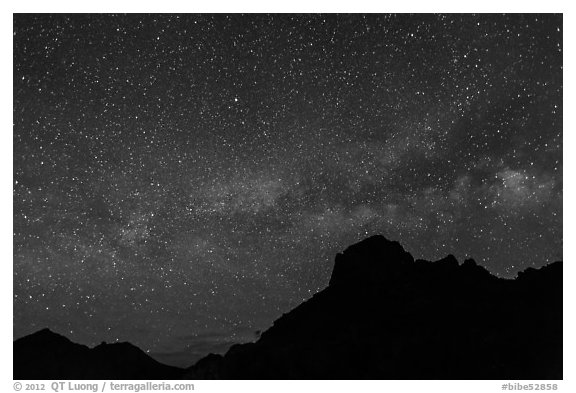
x: 371, y: 261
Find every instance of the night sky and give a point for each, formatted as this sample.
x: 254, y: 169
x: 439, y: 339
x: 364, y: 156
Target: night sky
x: 182, y: 181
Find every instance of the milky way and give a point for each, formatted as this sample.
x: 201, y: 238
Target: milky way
x: 182, y: 181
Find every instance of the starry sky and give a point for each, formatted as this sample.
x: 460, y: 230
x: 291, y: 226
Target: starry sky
x: 180, y: 181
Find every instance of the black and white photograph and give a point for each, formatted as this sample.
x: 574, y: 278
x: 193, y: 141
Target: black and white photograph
x: 287, y: 196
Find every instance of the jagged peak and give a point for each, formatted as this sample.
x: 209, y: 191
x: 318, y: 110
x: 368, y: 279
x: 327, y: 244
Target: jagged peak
x: 380, y: 298
x: 378, y: 260
x: 369, y: 260
x: 375, y: 243
x: 449, y: 260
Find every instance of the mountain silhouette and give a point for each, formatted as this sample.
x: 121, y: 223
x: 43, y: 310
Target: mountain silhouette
x: 47, y: 355
x: 383, y: 315
x: 386, y: 316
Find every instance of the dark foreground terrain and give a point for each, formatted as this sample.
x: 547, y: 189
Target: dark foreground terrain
x: 383, y: 316
x: 47, y: 355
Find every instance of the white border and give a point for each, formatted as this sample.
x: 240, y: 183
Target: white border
x: 300, y: 6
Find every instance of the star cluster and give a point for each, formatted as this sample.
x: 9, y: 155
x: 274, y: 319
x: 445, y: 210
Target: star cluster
x: 180, y: 181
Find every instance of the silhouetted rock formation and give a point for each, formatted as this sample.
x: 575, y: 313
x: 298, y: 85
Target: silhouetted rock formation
x: 383, y: 316
x: 47, y: 355
x: 386, y: 316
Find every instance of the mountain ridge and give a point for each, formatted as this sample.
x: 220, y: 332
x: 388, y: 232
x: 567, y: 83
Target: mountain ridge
x: 383, y: 315
x: 48, y: 355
